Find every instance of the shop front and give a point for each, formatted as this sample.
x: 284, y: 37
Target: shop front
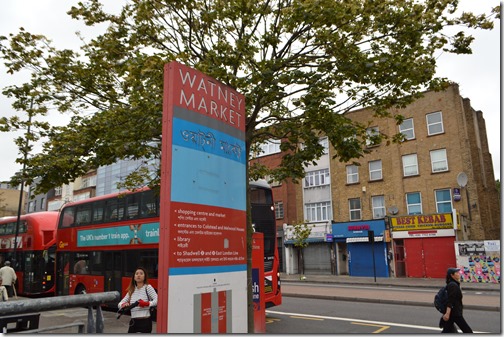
x: 361, y: 248
x: 316, y: 255
x: 424, y: 245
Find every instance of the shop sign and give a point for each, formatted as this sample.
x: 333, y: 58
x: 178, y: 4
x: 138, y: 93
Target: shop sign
x: 421, y: 222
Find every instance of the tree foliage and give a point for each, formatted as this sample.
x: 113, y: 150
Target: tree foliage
x: 300, y: 63
x: 301, y: 233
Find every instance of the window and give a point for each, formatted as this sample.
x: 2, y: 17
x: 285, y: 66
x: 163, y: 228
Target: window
x: 373, y: 134
x: 317, y: 178
x: 355, y: 208
x: 407, y: 129
x: 378, y: 203
x: 439, y: 161
x: 352, y: 172
x: 435, y: 123
x: 443, y: 201
x: 32, y: 205
x: 410, y: 165
x: 83, y: 214
x: 375, y: 170
x: 279, y: 210
x: 58, y: 190
x: 414, y: 203
x: 42, y: 205
x: 271, y: 146
x: 318, y: 211
x: 325, y: 143
x: 98, y: 207
x: 88, y: 182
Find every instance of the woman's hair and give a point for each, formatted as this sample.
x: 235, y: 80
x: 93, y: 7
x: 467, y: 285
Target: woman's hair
x: 132, y: 285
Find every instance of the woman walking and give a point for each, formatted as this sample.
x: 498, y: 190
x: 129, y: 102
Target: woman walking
x: 454, y: 306
x: 139, y: 290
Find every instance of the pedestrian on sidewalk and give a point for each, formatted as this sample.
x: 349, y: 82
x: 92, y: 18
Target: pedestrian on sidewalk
x: 9, y: 277
x: 3, y: 292
x: 140, y: 297
x: 454, y: 307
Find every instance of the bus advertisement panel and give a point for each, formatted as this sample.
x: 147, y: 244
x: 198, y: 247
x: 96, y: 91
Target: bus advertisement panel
x: 203, y: 237
x: 34, y: 257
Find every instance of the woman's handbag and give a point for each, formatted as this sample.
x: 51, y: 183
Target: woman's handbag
x: 153, y: 310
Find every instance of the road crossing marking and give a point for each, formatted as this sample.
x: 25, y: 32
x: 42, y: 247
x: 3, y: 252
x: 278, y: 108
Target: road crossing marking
x: 382, y: 327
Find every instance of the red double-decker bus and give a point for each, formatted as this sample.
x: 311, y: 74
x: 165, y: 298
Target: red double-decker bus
x: 34, y: 256
x: 102, y: 240
x: 263, y: 221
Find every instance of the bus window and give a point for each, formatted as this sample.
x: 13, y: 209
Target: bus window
x: 67, y: 217
x: 149, y: 204
x: 83, y: 215
x: 132, y: 205
x: 81, y: 264
x: 11, y: 228
x: 114, y: 209
x: 98, y: 210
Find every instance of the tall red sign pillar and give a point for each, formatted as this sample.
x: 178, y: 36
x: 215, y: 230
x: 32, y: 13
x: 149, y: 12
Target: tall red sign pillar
x: 258, y: 283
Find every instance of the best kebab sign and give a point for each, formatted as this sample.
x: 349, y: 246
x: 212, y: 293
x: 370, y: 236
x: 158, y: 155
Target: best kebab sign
x: 203, y: 215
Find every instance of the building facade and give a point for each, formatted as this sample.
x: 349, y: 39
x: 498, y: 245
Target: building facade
x: 9, y: 200
x: 434, y: 188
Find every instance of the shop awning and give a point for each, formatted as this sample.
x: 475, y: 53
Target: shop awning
x: 309, y: 240
x: 363, y: 239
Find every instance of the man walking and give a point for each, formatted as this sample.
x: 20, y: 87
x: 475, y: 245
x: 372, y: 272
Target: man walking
x: 9, y: 277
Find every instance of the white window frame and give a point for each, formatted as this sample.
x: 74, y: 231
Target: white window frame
x: 355, y: 213
x: 271, y: 146
x: 410, y: 206
x: 325, y: 143
x: 88, y: 182
x: 279, y: 210
x: 443, y: 201
x: 352, y: 177
x: 318, y: 211
x: 407, y: 130
x: 317, y: 178
x: 407, y: 166
x: 378, y: 204
x: 434, y: 124
x: 58, y: 191
x: 439, y: 160
x: 375, y: 171
x: 372, y: 131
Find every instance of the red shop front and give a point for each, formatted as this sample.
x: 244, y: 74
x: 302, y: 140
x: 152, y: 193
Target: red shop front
x: 423, y: 245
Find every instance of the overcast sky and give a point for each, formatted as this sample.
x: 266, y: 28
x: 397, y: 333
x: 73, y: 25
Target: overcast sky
x: 478, y: 75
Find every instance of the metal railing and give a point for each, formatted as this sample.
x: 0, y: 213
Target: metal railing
x: 34, y: 305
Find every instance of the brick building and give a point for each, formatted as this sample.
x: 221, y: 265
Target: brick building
x: 446, y: 146
x: 445, y: 136
x: 9, y: 200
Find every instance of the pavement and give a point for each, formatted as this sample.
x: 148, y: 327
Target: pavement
x: 392, y: 290
x: 408, y: 291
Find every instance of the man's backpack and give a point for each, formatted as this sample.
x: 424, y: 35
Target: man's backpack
x: 441, y: 300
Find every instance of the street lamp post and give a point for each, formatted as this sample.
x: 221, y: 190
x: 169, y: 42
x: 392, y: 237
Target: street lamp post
x: 22, y: 185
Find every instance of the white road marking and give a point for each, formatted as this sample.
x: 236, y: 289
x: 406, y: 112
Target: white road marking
x: 422, y: 327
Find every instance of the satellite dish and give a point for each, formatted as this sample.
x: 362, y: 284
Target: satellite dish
x: 393, y: 210
x: 462, y: 179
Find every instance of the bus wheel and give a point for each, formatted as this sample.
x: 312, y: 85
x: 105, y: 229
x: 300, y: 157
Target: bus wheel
x: 80, y: 290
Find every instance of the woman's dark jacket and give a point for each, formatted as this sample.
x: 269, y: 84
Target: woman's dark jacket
x: 454, y: 298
